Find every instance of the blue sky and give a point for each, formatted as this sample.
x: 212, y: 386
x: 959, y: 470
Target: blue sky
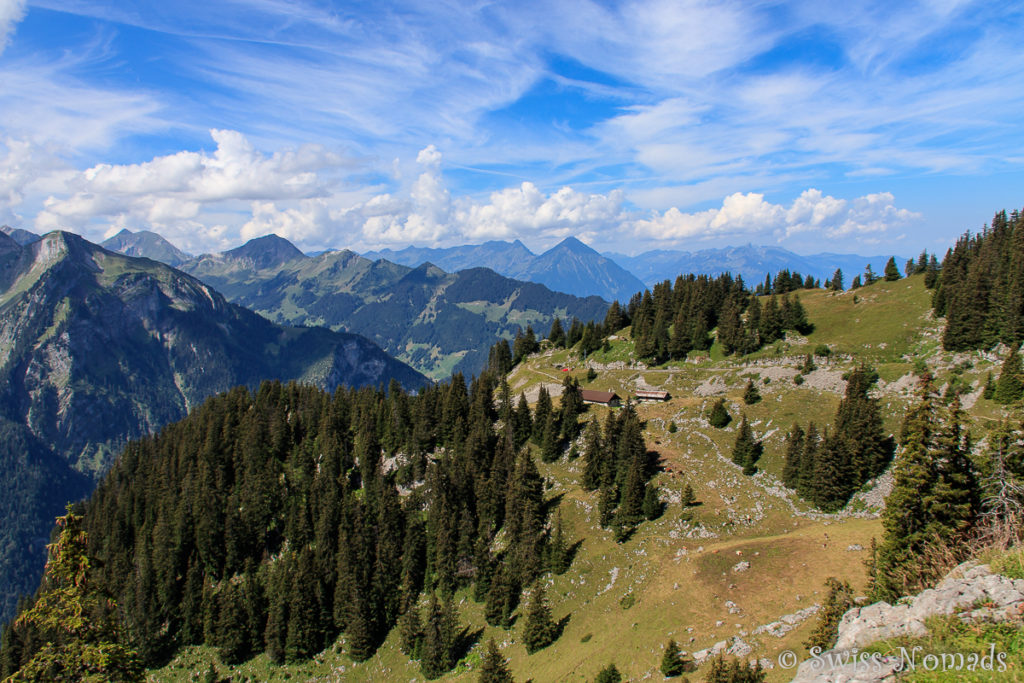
x: 870, y: 127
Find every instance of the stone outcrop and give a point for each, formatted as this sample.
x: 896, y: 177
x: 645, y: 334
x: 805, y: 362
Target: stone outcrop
x: 971, y: 591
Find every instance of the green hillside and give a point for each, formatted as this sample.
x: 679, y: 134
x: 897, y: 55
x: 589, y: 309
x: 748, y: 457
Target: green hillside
x: 435, y: 321
x: 680, y: 576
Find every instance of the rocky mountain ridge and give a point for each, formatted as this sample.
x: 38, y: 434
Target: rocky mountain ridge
x: 97, y: 348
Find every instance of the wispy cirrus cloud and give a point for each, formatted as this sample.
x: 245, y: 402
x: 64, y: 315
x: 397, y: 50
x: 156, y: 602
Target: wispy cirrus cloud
x: 609, y: 120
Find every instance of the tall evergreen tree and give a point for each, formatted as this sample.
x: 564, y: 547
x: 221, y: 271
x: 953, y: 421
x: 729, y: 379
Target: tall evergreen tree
x: 540, y: 629
x: 934, y: 495
x: 892, y: 272
x: 746, y: 450
x: 1010, y: 386
x: 672, y: 663
x: 494, y: 667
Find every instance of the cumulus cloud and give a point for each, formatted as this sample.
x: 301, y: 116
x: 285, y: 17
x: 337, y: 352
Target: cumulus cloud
x: 172, y: 192
x: 207, y: 201
x: 11, y: 12
x: 748, y: 215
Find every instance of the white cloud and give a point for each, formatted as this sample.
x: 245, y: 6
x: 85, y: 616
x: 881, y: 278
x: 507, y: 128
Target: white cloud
x: 173, y: 193
x: 11, y: 12
x: 206, y: 201
x: 749, y: 215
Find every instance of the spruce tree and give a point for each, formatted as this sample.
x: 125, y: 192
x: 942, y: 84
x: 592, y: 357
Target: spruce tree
x: 836, y: 283
x: 592, y: 454
x: 892, y: 272
x: 672, y: 663
x: 750, y: 394
x: 746, y: 449
x: 609, y: 674
x: 652, y: 506
x: 688, y: 496
x: 558, y: 551
x: 410, y: 632
x: 540, y: 629
x: 85, y: 637
x: 718, y: 416
x: 838, y: 601
x: 494, y: 667
x: 1010, y: 387
x: 794, y: 457
x: 934, y: 499
x: 440, y: 639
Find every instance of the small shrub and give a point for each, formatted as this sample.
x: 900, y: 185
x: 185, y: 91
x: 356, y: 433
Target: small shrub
x: 822, y: 350
x: 798, y: 380
x: 591, y: 374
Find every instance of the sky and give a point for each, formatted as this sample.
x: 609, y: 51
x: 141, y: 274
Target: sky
x: 817, y: 126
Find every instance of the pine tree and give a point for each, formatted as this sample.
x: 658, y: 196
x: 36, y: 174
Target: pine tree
x: 494, y: 667
x: 892, y: 272
x: 672, y: 663
x: 1010, y: 387
x: 540, y: 629
x: 836, y: 283
x: 440, y: 639
x: 746, y: 450
x: 838, y: 601
x: 750, y: 394
x: 609, y: 674
x: 652, y: 506
x: 688, y: 496
x: 558, y: 551
x: 719, y: 416
x: 76, y: 611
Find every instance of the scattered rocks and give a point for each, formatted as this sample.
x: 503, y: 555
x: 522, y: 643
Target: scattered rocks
x: 785, y: 624
x: 856, y: 547
x: 741, y: 566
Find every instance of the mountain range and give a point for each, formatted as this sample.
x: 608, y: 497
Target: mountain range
x: 436, y: 321
x: 97, y: 348
x: 751, y: 262
x: 570, y: 266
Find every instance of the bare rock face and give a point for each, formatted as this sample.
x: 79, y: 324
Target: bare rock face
x: 960, y: 593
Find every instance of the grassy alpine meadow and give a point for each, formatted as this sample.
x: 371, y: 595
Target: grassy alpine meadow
x: 747, y: 551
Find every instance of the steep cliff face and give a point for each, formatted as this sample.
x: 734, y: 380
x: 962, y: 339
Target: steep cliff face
x: 97, y: 348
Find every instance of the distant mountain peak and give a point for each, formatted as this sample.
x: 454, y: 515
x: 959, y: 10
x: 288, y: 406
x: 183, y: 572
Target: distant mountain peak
x: 574, y: 245
x: 268, y: 251
x: 20, y: 236
x: 145, y: 244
